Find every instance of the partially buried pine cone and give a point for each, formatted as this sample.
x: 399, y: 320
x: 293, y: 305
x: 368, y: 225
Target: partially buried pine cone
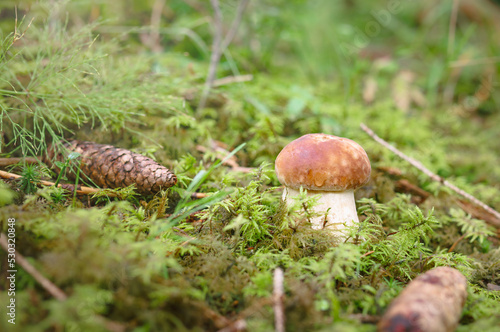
x: 110, y: 167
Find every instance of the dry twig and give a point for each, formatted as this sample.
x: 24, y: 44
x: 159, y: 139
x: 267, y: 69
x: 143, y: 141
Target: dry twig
x: 430, y: 174
x: 199, y: 195
x: 216, y: 53
x: 232, y: 79
x: 219, y: 46
x: 154, y: 36
x: 456, y: 242
x: 12, y: 161
x: 278, y: 294
x: 46, y: 283
x: 79, y: 191
x: 368, y: 253
x: 234, y: 26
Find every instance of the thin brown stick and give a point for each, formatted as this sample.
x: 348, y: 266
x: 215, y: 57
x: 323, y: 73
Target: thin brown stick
x: 219, y: 46
x: 216, y: 53
x: 278, y: 294
x: 368, y: 253
x: 154, y: 36
x: 232, y: 79
x: 430, y: 174
x: 199, y: 195
x: 12, y: 161
x: 79, y: 191
x: 234, y: 26
x: 456, y: 242
x: 46, y: 283
x: 17, y: 35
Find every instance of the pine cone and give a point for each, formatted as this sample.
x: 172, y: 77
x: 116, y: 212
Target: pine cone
x: 109, y: 167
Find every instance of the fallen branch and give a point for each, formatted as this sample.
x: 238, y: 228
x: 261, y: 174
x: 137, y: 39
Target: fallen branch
x: 216, y: 53
x: 431, y: 302
x: 278, y: 294
x: 46, y: 283
x: 430, y: 174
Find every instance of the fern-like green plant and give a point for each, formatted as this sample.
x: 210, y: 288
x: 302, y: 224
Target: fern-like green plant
x: 471, y: 228
x: 338, y: 264
x: 399, y: 249
x: 30, y: 177
x: 251, y: 215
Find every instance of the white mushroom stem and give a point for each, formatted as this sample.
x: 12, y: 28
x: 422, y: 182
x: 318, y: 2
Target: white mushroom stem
x: 334, y: 209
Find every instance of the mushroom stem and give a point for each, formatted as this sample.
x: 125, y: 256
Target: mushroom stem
x: 334, y: 209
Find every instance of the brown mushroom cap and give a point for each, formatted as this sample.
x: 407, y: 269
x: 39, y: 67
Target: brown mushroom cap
x: 323, y: 162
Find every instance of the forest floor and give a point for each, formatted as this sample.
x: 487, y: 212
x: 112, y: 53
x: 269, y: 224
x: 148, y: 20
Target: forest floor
x: 214, y: 95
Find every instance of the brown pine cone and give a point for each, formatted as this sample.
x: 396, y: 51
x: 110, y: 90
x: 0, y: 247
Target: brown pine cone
x: 431, y: 302
x: 109, y: 167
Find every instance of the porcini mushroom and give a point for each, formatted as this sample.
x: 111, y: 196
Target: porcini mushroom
x: 329, y: 166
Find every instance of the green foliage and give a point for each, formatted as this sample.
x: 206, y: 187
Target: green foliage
x: 6, y: 195
x: 338, y: 264
x: 260, y: 285
x: 64, y: 165
x: 482, y: 304
x: 400, y: 249
x: 30, y: 178
x: 252, y: 214
x: 472, y: 229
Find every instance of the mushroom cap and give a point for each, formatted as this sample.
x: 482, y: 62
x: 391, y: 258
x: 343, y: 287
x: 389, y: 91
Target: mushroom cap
x: 323, y: 162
